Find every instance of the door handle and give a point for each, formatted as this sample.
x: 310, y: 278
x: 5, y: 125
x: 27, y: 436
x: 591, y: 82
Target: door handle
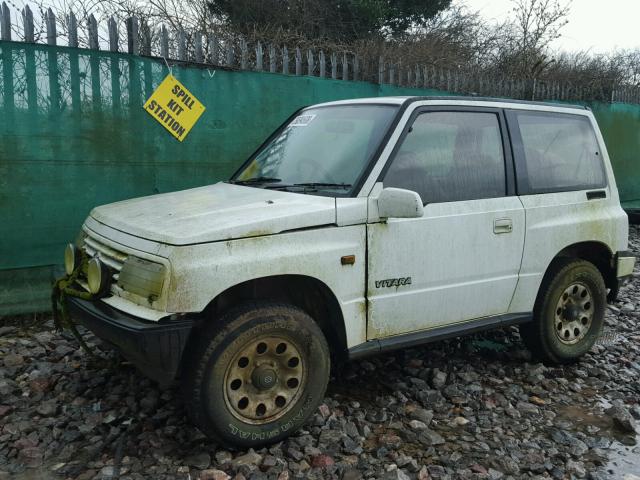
x: 596, y: 194
x: 502, y: 225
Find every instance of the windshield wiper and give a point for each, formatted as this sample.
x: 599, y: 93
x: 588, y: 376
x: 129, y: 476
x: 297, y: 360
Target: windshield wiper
x: 344, y: 186
x: 252, y: 181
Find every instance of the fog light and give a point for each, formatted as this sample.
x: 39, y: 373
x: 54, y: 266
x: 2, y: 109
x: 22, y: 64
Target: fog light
x: 97, y: 276
x: 71, y: 258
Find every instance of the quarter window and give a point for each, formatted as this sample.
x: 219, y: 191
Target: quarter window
x: 450, y: 156
x: 560, y: 152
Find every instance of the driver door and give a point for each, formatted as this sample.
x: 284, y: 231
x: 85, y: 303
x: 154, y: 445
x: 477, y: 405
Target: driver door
x: 460, y: 261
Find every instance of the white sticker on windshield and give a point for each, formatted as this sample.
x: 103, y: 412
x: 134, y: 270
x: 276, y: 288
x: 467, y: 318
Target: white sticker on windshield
x: 302, y: 120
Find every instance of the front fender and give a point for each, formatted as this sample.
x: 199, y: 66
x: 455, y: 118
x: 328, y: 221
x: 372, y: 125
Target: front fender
x: 199, y: 273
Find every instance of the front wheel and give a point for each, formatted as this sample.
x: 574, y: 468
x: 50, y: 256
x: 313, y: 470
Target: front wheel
x: 569, y: 312
x: 257, y: 374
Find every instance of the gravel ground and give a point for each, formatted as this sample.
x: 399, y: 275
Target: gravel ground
x: 469, y: 408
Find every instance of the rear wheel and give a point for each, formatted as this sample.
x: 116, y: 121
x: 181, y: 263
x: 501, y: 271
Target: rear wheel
x: 257, y: 374
x: 569, y: 312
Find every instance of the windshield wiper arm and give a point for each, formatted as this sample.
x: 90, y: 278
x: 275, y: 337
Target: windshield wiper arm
x: 321, y: 184
x: 251, y: 181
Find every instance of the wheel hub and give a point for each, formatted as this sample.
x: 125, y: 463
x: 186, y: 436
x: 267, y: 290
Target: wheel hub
x: 264, y: 380
x: 571, y: 313
x: 574, y: 313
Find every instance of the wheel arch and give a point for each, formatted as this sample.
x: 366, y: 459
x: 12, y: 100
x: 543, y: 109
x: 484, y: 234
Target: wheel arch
x: 597, y: 253
x: 308, y: 293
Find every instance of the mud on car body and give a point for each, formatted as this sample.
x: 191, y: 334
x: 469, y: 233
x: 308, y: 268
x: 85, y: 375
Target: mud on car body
x: 358, y: 227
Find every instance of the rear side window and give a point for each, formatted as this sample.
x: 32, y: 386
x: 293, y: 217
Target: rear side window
x: 450, y: 156
x: 560, y: 153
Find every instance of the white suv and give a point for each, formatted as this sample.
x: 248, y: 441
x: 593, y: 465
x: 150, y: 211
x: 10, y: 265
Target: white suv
x: 358, y: 227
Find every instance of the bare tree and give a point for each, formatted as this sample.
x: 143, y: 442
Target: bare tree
x: 526, y: 38
x: 456, y: 40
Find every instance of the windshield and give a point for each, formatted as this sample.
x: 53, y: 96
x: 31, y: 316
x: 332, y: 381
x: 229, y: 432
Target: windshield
x: 322, y: 148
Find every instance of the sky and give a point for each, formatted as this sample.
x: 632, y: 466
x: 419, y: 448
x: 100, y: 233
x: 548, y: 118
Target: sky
x: 593, y: 24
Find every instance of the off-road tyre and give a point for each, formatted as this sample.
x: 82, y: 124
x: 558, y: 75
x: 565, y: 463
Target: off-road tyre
x: 219, y: 355
x: 546, y: 336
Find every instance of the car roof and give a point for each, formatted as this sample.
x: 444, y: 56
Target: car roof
x: 452, y: 100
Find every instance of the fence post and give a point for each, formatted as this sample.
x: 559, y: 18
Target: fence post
x: 27, y: 20
x: 73, y: 30
x: 182, y: 45
x: 145, y: 38
x: 244, y: 54
x: 133, y: 46
x: 334, y: 66
x: 135, y: 88
x: 356, y: 68
x: 50, y: 20
x: 533, y: 89
x: 298, y: 61
x: 7, y: 77
x: 164, y: 42
x: 115, y: 70
x: 214, y: 52
x: 381, y: 70
x: 52, y: 67
x: 345, y: 67
x: 273, y: 60
x: 5, y: 22
x: 230, y: 54
x: 92, y: 30
x: 96, y: 96
x: 323, y: 65
x: 32, y: 86
x: 259, y: 57
x: 285, y: 60
x: 197, y: 46
x: 310, y: 63
x: 112, y: 26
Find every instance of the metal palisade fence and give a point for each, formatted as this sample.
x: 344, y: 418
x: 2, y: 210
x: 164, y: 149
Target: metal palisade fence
x: 233, y: 51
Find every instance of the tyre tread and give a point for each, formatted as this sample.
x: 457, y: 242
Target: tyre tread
x: 533, y: 334
x: 210, y: 338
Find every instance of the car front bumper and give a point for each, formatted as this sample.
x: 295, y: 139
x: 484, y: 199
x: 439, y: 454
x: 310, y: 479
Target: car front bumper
x: 154, y: 347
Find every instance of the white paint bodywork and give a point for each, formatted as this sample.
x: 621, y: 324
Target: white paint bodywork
x: 215, y: 237
x: 459, y: 268
x: 216, y: 212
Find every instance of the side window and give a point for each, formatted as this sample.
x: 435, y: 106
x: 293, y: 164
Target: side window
x: 450, y: 156
x: 560, y: 152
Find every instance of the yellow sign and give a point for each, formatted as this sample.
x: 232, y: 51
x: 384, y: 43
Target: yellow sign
x: 174, y: 107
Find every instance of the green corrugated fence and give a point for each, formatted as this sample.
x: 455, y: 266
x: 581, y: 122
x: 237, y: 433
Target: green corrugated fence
x: 73, y: 134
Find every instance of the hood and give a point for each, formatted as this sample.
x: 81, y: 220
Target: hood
x: 216, y: 212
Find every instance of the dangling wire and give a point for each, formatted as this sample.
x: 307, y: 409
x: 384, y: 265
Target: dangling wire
x: 168, y: 67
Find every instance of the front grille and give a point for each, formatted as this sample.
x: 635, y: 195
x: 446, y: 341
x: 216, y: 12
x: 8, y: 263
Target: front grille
x: 111, y: 257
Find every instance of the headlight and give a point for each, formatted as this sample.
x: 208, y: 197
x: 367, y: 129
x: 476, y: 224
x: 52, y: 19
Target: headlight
x: 98, y: 276
x: 142, y: 277
x: 72, y: 258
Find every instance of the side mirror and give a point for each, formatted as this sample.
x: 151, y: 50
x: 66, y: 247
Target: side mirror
x: 399, y: 203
